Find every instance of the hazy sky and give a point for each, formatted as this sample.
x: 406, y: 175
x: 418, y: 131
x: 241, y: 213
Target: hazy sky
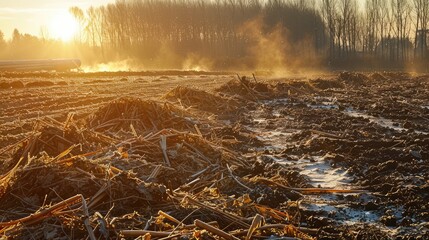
x: 28, y: 16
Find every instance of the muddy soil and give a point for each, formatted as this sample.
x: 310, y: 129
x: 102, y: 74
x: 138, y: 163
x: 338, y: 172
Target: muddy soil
x: 363, y: 132
x: 355, y: 132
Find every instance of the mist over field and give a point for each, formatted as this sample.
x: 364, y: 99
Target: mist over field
x: 273, y: 35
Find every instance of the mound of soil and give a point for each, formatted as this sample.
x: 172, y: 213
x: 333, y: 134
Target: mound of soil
x: 53, y: 139
x: 202, y: 100
x: 139, y: 117
x: 254, y: 91
x: 40, y: 84
x: 326, y: 83
x: 62, y: 83
x: 377, y: 77
x: 397, y: 75
x: 235, y: 137
x: 352, y: 78
x: 76, y: 179
x: 249, y: 90
x: 181, y: 160
x: 17, y: 84
x: 5, y: 85
x: 97, y: 81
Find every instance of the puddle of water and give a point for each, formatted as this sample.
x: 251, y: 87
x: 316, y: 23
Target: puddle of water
x: 321, y: 174
x: 276, y: 102
x: 383, y: 122
x: 327, y: 99
x: 324, y: 105
x: 387, y: 123
x: 343, y: 212
x: 275, y: 138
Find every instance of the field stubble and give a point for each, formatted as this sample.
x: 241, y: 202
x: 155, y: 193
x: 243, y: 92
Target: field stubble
x: 343, y: 156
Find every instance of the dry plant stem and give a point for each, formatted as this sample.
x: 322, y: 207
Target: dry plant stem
x: 4, y: 180
x: 274, y: 213
x: 7, y: 148
x: 133, y: 130
x: 68, y: 120
x: 198, y: 130
x: 98, y: 196
x: 154, y: 173
x: 278, y: 226
x: 169, y: 217
x: 192, y: 226
x: 236, y: 179
x: 251, y: 92
x: 170, y: 237
x: 163, y: 144
x: 258, y: 221
x: 162, y: 234
x: 138, y: 233
x: 199, y: 173
x: 102, y: 224
x: 198, y: 152
x: 78, y: 156
x: 325, y: 134
x: 30, y: 147
x: 214, y: 230
x: 232, y: 218
x: 64, y: 153
x: 86, y: 221
x: 254, y: 78
x: 67, y: 160
x: 37, y: 217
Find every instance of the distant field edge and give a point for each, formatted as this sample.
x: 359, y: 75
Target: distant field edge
x: 50, y: 74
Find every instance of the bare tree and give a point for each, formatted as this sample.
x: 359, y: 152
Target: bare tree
x: 421, y: 21
x: 329, y: 14
x: 401, y: 18
x: 79, y: 15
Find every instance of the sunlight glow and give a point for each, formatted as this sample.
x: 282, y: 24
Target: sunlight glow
x: 63, y: 27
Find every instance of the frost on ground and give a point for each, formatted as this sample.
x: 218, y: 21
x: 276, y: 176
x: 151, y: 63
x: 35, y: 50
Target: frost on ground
x: 323, y: 136
x: 325, y: 159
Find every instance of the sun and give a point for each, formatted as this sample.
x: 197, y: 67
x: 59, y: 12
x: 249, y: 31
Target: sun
x: 63, y: 27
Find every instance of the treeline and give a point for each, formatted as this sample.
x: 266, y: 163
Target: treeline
x: 221, y: 34
x: 333, y: 33
x: 26, y: 46
x: 384, y: 34
x: 239, y: 34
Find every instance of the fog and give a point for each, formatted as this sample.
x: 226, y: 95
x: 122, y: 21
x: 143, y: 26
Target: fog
x: 276, y: 35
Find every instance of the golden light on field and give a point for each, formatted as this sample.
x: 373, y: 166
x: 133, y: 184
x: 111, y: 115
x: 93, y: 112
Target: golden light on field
x: 63, y: 27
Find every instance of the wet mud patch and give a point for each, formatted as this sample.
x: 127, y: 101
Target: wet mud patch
x: 326, y: 160
x: 336, y: 142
